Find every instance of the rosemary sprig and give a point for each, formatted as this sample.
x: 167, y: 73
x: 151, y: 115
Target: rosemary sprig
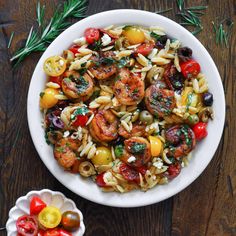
x: 190, y: 16
x: 222, y: 34
x: 10, y: 40
x: 163, y: 11
x: 39, y: 39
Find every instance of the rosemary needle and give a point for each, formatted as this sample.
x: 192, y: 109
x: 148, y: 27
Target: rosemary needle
x: 10, y: 40
x: 164, y: 11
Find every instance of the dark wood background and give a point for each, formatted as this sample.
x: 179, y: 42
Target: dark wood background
x: 206, y: 207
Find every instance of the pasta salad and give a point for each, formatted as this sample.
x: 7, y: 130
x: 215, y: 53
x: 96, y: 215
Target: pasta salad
x: 125, y: 105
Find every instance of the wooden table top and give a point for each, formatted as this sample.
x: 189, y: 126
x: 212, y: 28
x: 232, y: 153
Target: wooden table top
x: 206, y: 207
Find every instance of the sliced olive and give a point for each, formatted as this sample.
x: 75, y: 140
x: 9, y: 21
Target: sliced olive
x: 146, y: 117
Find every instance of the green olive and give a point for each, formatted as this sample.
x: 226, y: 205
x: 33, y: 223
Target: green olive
x: 193, y: 119
x: 146, y: 117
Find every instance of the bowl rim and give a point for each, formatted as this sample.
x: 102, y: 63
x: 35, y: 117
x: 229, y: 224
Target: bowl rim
x: 151, y: 200
x: 39, y: 192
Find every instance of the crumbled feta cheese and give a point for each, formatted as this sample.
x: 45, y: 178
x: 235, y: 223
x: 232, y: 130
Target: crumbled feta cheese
x: 106, y: 39
x: 131, y: 159
x: 66, y: 134
x: 158, y: 164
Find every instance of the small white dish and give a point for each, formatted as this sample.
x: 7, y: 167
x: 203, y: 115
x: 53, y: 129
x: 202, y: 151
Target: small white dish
x: 51, y: 198
x: 202, y: 154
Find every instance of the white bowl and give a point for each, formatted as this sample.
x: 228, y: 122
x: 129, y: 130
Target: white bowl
x: 204, y: 150
x: 51, y: 198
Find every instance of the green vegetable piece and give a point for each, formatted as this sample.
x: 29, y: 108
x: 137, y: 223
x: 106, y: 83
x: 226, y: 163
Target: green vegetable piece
x: 119, y: 149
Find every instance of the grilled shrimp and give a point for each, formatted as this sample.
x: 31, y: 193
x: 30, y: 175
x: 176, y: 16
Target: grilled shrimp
x: 182, y: 140
x: 75, y: 85
x: 129, y: 88
x: 65, y: 152
x: 137, y: 151
x: 104, y: 126
x: 137, y: 131
x: 159, y: 102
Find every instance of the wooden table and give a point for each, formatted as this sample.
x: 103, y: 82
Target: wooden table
x: 206, y: 207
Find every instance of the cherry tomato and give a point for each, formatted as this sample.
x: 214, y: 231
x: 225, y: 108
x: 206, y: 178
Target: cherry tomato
x: 47, y: 98
x: 100, y: 180
x: 36, y: 205
x: 200, y: 130
x: 190, y: 68
x: 144, y: 49
x: 142, y: 169
x: 27, y: 225
x: 54, y: 66
x: 133, y: 34
x: 55, y: 79
x: 174, y: 170
x: 92, y: 35
x: 70, y: 220
x: 41, y: 232
x: 74, y: 49
x: 50, y: 217
x: 57, y: 232
x: 129, y: 173
x: 103, y: 156
x: 156, y: 145
x: 80, y: 120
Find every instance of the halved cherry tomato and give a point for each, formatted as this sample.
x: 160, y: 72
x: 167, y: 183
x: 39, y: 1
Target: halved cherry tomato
x: 57, y: 232
x: 92, y: 35
x: 156, y: 146
x: 142, y: 169
x: 200, y: 130
x: 80, y: 120
x: 41, y: 232
x: 144, y: 49
x: 55, y: 79
x: 74, y: 49
x: 36, y: 205
x: 54, y: 66
x: 129, y: 173
x: 174, y: 170
x: 50, y: 217
x: 190, y: 68
x: 27, y: 225
x: 100, y: 180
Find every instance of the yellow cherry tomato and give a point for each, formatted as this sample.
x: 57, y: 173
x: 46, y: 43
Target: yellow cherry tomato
x: 156, y: 146
x: 134, y: 35
x: 54, y: 66
x: 49, y: 217
x: 103, y: 156
x: 47, y: 98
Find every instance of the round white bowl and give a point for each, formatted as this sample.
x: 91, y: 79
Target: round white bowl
x: 51, y: 198
x: 204, y: 150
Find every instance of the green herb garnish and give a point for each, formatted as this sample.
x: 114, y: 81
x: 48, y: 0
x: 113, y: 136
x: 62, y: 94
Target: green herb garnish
x: 39, y: 39
x: 41, y: 94
x: 137, y: 147
x: 107, y: 61
x: 119, y: 149
x: 122, y: 62
x: 79, y: 111
x: 155, y: 36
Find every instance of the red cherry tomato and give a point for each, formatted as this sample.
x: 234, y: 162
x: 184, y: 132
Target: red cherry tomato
x: 100, y: 180
x: 80, y: 120
x: 56, y: 232
x: 27, y: 225
x: 190, y: 68
x: 74, y: 49
x: 36, y: 205
x: 55, y: 79
x: 63, y: 232
x: 144, y: 49
x: 200, y: 130
x: 129, y: 173
x: 174, y: 170
x: 41, y: 232
x: 91, y: 35
x: 142, y: 169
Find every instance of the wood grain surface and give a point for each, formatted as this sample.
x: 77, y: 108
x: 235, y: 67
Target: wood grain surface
x: 206, y: 207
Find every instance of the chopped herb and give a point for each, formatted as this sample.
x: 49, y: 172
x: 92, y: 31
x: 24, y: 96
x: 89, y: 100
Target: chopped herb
x: 189, y: 100
x: 96, y: 46
x: 95, y: 95
x: 135, y: 91
x: 137, y: 147
x: 155, y: 36
x: 119, y: 150
x: 79, y: 111
x: 82, y: 84
x: 122, y: 62
x: 107, y: 61
x: 82, y: 71
x: 83, y: 64
x: 41, y: 94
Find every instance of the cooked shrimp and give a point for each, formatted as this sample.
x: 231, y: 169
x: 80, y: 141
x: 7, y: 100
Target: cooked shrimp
x: 129, y: 88
x: 137, y: 151
x: 104, y: 126
x: 160, y: 102
x: 137, y: 131
x: 182, y: 140
x: 65, y: 152
x: 75, y: 85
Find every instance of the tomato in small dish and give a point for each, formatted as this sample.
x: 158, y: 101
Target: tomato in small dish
x: 190, y: 68
x: 56, y: 232
x: 27, y: 225
x: 36, y: 205
x: 70, y: 220
x: 91, y: 35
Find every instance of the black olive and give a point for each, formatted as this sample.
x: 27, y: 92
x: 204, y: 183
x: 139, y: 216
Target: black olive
x: 161, y: 41
x: 184, y: 53
x: 119, y: 140
x: 177, y: 81
x: 207, y: 99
